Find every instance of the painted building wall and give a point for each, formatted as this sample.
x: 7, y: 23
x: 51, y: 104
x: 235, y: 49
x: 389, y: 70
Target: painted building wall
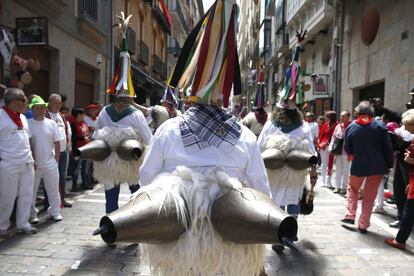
x: 388, y: 59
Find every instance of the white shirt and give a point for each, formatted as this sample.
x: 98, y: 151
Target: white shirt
x: 301, y: 133
x: 44, y: 135
x: 90, y: 122
x: 314, y: 129
x: 14, y: 143
x: 167, y: 152
x: 57, y: 118
x: 69, y: 128
x: 135, y: 120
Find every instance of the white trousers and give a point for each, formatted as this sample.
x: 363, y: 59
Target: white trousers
x: 326, y: 180
x: 16, y: 181
x: 342, y: 171
x: 379, y: 200
x: 50, y: 177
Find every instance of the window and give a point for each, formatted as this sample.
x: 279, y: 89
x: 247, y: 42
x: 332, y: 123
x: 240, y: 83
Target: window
x: 89, y: 8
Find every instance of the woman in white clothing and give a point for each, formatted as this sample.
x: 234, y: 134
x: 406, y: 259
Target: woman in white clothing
x: 342, y: 161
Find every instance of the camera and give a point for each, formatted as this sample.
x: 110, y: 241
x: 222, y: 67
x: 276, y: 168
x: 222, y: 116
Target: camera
x: 98, y: 59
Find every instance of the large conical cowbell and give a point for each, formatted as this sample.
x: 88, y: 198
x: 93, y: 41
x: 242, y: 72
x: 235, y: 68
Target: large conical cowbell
x: 247, y: 216
x: 301, y: 160
x: 150, y: 217
x: 130, y: 150
x: 96, y: 150
x: 273, y: 158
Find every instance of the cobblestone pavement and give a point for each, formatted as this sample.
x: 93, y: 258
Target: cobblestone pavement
x: 326, y: 248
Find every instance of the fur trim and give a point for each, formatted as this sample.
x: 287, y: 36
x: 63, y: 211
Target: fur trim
x: 286, y: 184
x: 200, y: 250
x: 159, y: 115
x: 114, y: 169
x: 251, y: 123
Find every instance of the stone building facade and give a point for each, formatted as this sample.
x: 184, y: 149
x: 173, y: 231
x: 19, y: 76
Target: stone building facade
x: 75, y: 61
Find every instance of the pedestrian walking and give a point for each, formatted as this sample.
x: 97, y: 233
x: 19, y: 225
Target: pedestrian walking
x: 369, y: 146
x: 407, y: 217
x: 336, y: 147
x: 325, y: 136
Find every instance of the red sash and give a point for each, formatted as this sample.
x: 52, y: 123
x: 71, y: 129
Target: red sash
x: 15, y: 116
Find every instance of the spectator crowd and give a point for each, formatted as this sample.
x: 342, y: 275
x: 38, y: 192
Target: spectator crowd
x: 36, y: 141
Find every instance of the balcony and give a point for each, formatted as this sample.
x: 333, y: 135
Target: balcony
x: 143, y: 54
x: 88, y: 9
x: 173, y: 47
x: 318, y: 15
x: 159, y: 15
x: 130, y: 38
x: 282, y: 42
x: 156, y: 64
x: 46, y: 7
x: 88, y: 19
x: 175, y: 8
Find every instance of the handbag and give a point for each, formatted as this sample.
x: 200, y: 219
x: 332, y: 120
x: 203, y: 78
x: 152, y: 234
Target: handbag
x: 337, y: 146
x: 306, y: 202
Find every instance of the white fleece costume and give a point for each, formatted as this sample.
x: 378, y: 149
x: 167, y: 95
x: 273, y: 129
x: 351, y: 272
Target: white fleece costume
x: 251, y: 123
x: 286, y: 183
x: 114, y: 170
x: 200, y: 177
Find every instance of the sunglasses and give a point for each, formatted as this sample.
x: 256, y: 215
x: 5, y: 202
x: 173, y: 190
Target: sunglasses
x: 19, y: 99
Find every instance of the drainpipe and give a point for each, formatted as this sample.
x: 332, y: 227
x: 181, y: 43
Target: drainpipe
x: 338, y: 54
x: 112, y: 49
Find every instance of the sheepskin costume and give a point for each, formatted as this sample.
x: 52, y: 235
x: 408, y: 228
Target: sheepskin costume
x: 159, y: 115
x: 114, y: 169
x: 286, y: 183
x: 200, y: 250
x: 251, y: 123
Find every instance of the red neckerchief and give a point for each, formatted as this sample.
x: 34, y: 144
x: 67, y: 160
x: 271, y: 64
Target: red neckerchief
x: 364, y: 120
x: 15, y: 116
x: 261, y: 117
x: 345, y: 125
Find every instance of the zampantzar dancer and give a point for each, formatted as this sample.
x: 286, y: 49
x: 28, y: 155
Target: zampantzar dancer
x: 205, y: 207
x: 287, y: 146
x: 121, y: 131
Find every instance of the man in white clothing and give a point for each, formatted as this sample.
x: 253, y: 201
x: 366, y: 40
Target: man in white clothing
x: 53, y: 109
x: 16, y: 164
x: 46, y: 150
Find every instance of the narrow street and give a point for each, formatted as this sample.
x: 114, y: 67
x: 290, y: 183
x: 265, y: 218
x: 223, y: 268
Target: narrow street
x: 326, y: 248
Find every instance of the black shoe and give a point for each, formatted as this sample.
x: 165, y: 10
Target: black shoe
x: 278, y: 248
x: 349, y: 221
x: 67, y: 204
x: 87, y: 187
x: 362, y: 231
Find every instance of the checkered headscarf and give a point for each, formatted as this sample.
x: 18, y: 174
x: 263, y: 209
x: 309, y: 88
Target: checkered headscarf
x: 205, y: 125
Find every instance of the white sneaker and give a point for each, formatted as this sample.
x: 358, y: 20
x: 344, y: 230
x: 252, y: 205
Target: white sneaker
x: 34, y: 220
x: 378, y: 210
x: 57, y: 217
